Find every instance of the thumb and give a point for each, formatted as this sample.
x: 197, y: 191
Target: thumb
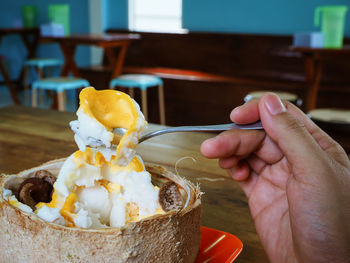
x: 290, y: 134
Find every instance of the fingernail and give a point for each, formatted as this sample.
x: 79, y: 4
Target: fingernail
x: 274, y: 104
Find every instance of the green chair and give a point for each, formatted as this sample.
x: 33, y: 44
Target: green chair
x: 60, y: 85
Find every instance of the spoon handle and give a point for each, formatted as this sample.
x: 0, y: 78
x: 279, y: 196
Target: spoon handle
x: 207, y: 128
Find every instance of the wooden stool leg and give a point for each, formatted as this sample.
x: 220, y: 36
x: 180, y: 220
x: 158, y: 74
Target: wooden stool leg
x: 61, y: 101
x: 161, y: 104
x: 26, y: 84
x: 131, y: 92
x: 144, y: 103
x: 64, y: 99
x: 41, y: 92
x: 34, y: 103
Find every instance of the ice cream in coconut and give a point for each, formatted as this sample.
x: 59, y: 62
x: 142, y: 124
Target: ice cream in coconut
x: 92, y: 193
x: 102, y: 184
x: 102, y: 203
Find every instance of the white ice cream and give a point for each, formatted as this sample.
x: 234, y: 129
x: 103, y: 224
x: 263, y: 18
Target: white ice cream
x: 106, y: 194
x: 89, y: 132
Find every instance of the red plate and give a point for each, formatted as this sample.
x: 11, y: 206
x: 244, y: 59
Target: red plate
x: 218, y: 246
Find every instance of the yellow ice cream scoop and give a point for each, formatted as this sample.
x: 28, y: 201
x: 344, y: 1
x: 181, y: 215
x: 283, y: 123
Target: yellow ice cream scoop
x: 102, y: 111
x: 112, y: 108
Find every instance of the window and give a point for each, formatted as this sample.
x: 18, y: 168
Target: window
x: 155, y: 15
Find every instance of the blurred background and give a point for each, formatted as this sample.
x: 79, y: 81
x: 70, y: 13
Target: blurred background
x: 209, y: 54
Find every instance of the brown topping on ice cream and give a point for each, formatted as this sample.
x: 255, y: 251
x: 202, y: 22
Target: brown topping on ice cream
x: 170, y: 197
x: 46, y: 175
x: 36, y: 189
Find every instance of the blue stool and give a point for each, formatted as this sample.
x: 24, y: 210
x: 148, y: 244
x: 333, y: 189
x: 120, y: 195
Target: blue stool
x: 143, y: 82
x: 39, y: 64
x: 59, y: 84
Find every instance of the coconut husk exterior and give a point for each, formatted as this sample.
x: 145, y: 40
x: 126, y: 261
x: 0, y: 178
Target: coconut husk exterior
x: 171, y: 237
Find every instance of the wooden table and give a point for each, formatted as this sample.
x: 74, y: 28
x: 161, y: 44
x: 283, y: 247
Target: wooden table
x: 313, y: 69
x: 68, y: 45
x: 30, y: 37
x: 31, y: 136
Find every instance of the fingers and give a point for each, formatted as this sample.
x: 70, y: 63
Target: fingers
x: 232, y: 143
x: 326, y: 143
x: 291, y: 134
x: 250, y: 112
x: 256, y: 164
x: 240, y: 172
x: 228, y: 162
x: 244, y: 176
x: 247, y: 113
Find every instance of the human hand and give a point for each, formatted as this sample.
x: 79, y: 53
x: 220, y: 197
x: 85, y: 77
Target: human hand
x: 296, y: 178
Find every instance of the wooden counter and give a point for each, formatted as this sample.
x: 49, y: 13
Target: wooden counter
x: 31, y: 136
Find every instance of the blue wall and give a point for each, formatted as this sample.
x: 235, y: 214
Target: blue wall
x: 240, y: 16
x: 116, y: 14
x: 13, y: 48
x: 254, y: 16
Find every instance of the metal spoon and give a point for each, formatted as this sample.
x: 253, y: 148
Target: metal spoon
x: 208, y: 128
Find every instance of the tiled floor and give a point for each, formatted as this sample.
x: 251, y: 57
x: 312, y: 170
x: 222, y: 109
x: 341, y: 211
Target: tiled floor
x: 5, y: 100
